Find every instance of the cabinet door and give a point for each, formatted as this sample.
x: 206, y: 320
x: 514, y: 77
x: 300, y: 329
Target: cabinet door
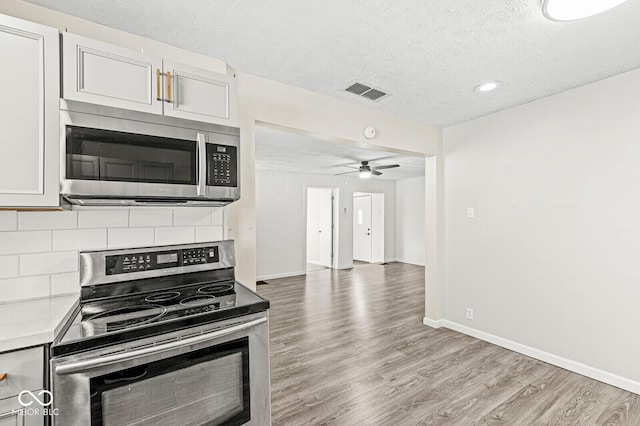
x: 29, y: 114
x: 201, y: 95
x: 21, y: 370
x: 105, y: 74
x: 12, y: 413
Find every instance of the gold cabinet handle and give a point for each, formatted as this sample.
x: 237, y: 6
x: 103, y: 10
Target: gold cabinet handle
x: 158, y: 88
x: 168, y: 94
x: 3, y: 376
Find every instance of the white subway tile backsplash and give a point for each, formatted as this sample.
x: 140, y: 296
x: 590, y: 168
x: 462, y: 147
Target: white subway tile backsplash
x: 175, y: 235
x: 150, y: 217
x: 192, y: 216
x: 208, y: 233
x: 130, y: 237
x: 48, y: 263
x: 39, y: 250
x: 65, y: 283
x: 24, y: 288
x: 8, y: 266
x: 80, y: 239
x: 48, y: 220
x: 25, y: 242
x: 8, y: 221
x: 217, y: 216
x: 110, y: 218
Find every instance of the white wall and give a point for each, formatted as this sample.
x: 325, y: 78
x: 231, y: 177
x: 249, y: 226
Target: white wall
x: 39, y: 250
x: 410, y: 242
x: 551, y: 259
x: 281, y: 222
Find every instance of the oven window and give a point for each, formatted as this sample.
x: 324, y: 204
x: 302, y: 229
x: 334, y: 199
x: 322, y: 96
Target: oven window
x: 209, y: 386
x: 95, y: 154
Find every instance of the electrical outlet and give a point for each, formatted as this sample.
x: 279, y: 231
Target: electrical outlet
x: 469, y: 314
x: 471, y: 213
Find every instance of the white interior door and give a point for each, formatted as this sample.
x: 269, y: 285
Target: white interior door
x: 319, y: 226
x: 377, y: 228
x: 362, y: 227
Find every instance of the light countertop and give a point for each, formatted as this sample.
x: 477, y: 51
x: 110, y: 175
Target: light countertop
x: 33, y: 322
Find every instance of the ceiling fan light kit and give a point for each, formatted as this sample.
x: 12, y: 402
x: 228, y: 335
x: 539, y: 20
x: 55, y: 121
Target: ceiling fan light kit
x: 365, y: 170
x: 569, y: 10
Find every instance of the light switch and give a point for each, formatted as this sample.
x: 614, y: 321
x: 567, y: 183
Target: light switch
x: 470, y: 212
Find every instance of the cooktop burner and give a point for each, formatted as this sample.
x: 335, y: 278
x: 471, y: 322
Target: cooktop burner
x: 216, y: 289
x: 162, y: 297
x: 128, y: 316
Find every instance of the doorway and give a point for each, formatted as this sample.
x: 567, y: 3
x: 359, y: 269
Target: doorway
x: 368, y: 227
x: 320, y: 206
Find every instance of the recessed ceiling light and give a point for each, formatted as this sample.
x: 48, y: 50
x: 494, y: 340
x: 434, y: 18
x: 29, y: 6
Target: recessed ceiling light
x: 568, y: 10
x: 488, y: 86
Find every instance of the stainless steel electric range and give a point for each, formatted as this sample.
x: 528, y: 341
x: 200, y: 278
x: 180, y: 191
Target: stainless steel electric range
x: 162, y: 335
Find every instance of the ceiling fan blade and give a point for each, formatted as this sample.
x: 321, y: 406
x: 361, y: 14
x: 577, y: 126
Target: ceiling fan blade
x: 346, y: 173
x: 375, y: 172
x: 390, y: 166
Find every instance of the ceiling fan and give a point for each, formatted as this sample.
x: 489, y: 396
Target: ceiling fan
x: 365, y: 170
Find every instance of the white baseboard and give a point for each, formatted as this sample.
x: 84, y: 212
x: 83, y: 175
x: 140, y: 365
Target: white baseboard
x: 568, y: 364
x: 283, y: 275
x: 432, y: 323
x: 410, y: 263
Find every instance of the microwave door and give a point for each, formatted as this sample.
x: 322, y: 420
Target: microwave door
x: 102, y: 163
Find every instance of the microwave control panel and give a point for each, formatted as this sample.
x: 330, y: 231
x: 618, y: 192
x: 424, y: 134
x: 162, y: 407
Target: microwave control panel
x: 138, y: 262
x: 222, y: 165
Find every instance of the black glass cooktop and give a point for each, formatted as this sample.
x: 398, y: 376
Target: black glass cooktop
x: 106, y: 321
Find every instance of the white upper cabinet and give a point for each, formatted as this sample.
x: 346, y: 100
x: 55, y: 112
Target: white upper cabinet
x: 200, y: 95
x: 104, y: 74
x: 29, y: 116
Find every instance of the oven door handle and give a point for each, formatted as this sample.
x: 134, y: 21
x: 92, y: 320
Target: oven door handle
x: 87, y: 364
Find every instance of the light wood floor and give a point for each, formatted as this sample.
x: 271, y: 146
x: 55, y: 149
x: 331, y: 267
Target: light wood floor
x: 349, y: 348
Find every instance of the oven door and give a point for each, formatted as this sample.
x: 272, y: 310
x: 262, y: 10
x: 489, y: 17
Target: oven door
x: 192, y: 377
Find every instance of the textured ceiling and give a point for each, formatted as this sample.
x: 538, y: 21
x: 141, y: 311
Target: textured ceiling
x: 428, y: 54
x: 290, y: 152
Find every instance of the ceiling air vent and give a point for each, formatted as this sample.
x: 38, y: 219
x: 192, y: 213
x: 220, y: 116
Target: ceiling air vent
x: 365, y: 91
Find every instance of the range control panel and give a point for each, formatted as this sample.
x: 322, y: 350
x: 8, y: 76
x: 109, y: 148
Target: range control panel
x: 148, y: 261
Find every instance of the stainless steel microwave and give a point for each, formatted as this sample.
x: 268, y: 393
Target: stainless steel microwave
x: 112, y: 156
